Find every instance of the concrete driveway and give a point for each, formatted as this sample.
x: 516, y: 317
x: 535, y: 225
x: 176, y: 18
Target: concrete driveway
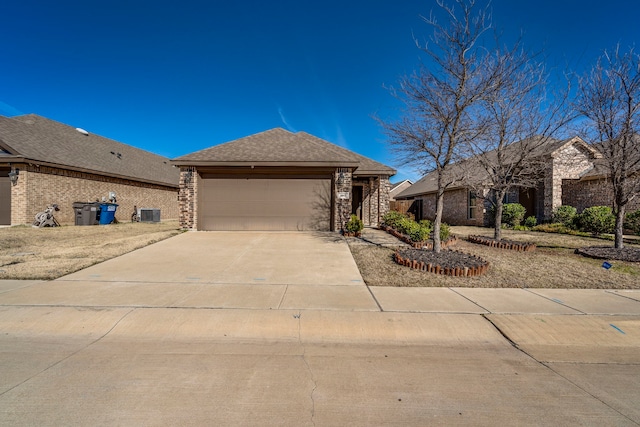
x: 279, y: 329
x: 255, y: 270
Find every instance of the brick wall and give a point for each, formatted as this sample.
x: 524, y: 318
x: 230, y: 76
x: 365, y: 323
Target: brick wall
x: 188, y: 198
x: 41, y: 186
x: 592, y: 192
x: 455, y: 208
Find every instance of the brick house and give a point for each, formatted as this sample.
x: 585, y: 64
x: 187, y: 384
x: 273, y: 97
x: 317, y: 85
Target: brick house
x: 58, y: 164
x: 279, y: 180
x: 567, y: 161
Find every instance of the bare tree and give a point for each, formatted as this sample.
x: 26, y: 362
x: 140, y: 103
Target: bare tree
x: 441, y: 99
x: 609, y: 99
x: 520, y: 119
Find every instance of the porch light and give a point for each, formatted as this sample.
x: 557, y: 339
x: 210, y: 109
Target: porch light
x: 13, y: 176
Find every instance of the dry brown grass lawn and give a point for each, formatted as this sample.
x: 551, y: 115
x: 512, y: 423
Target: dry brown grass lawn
x: 552, y: 265
x: 49, y: 253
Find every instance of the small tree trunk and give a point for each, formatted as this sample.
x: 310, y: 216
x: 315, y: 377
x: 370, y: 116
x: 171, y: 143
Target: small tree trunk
x: 619, y: 242
x: 497, y: 224
x: 437, y: 246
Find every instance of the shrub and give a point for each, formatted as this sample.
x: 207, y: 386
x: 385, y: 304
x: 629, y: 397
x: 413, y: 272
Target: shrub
x: 417, y: 233
x: 632, y: 222
x: 392, y: 218
x: 445, y: 232
x: 565, y: 214
x: 531, y: 221
x: 354, y: 225
x: 404, y: 225
x: 513, y: 214
x: 596, y: 220
x: 556, y: 227
x: 426, y: 224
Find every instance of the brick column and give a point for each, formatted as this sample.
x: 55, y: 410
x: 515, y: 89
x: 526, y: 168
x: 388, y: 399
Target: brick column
x: 342, y: 184
x: 188, y: 198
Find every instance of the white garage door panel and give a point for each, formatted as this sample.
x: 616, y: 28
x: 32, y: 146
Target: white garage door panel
x: 264, y: 204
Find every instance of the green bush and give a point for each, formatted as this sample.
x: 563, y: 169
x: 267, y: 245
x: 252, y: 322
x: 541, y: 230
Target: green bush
x: 417, y: 233
x: 445, y: 231
x: 513, y: 214
x: 392, y: 218
x: 565, y: 214
x: 596, y: 220
x: 404, y: 225
x: 632, y: 222
x: 354, y: 225
x: 426, y: 224
x: 531, y: 221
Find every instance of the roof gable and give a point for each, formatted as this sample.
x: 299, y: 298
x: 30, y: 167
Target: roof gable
x: 281, y: 147
x: 40, y: 140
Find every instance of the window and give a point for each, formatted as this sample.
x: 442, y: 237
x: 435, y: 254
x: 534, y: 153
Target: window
x: 471, y: 205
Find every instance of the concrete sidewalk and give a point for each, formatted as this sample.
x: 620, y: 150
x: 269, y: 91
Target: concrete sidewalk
x: 346, y: 297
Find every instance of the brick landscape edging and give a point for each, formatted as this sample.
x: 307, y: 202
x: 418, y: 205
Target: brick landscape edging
x: 437, y: 269
x: 487, y: 241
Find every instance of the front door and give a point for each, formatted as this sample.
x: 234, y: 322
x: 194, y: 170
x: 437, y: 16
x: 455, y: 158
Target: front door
x: 527, y: 198
x: 356, y: 201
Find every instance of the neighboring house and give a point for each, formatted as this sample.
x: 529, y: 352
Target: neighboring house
x: 398, y: 188
x: 566, y: 160
x: 279, y: 180
x: 59, y: 164
x: 594, y: 189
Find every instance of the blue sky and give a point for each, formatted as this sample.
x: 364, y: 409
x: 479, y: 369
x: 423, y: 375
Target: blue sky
x: 175, y: 77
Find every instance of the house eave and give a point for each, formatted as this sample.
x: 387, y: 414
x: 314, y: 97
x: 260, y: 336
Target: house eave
x: 204, y: 163
x: 39, y: 163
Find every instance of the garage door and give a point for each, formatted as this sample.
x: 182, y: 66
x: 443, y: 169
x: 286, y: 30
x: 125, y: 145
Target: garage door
x: 264, y: 204
x: 5, y: 201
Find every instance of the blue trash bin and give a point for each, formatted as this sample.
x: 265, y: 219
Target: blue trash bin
x: 107, y: 213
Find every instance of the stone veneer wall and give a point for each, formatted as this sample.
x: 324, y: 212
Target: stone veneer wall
x: 375, y: 195
x: 385, y: 197
x: 592, y: 192
x: 188, y: 198
x: 40, y: 186
x: 570, y: 163
x: 342, y: 207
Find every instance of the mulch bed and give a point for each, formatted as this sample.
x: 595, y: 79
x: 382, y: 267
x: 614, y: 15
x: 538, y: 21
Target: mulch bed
x: 447, y: 262
x: 611, y: 253
x: 503, y: 244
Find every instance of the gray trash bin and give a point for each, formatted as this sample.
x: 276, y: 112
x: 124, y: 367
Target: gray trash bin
x: 86, y: 213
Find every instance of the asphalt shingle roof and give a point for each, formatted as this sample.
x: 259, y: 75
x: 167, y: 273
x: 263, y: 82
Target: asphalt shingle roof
x: 428, y: 183
x: 281, y: 147
x: 43, y: 141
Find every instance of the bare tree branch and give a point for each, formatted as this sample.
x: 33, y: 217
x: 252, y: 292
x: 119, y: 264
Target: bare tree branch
x: 609, y: 100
